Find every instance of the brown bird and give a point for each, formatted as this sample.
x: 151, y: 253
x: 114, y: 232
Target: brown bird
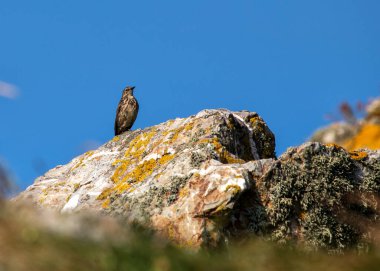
x: 126, y: 112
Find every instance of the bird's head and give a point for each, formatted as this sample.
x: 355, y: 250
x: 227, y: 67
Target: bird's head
x: 128, y: 91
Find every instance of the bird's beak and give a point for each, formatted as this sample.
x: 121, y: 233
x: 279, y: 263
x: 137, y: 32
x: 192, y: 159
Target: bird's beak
x: 132, y: 88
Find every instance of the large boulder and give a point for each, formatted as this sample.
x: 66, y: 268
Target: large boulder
x: 176, y: 177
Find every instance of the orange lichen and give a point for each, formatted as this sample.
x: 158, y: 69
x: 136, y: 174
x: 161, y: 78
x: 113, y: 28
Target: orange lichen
x: 358, y: 155
x: 333, y: 145
x: 116, y: 139
x: 367, y: 137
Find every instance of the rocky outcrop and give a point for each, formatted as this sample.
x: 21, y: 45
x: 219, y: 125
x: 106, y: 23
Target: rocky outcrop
x: 214, y: 176
x: 175, y: 177
x: 322, y: 196
x: 354, y: 135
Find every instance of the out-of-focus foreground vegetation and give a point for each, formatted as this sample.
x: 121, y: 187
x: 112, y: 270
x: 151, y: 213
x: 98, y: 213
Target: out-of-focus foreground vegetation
x: 33, y: 239
x: 97, y: 244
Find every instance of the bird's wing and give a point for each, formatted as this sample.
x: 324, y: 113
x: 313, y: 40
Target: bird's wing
x: 133, y: 108
x: 136, y: 111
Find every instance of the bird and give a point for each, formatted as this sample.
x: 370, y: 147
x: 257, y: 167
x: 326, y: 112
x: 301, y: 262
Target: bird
x: 126, y: 112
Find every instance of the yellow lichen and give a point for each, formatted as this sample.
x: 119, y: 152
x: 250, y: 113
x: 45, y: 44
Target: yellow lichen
x: 105, y: 193
x: 196, y: 175
x: 184, y: 192
x: 255, y: 120
x: 234, y: 187
x: 125, y: 178
x: 106, y: 204
x: 76, y: 186
x: 175, y: 133
x: 138, y: 174
x: 68, y: 198
x: 81, y: 160
x: 166, y: 158
x: 224, y: 155
x: 116, y: 139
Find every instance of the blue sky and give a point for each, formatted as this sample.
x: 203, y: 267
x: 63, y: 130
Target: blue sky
x: 291, y: 61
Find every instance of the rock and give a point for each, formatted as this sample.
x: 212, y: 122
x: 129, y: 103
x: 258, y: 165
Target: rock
x: 318, y: 195
x: 214, y: 177
x: 354, y: 136
x: 176, y: 177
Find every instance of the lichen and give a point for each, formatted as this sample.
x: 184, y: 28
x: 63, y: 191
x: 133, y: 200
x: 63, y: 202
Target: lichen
x: 131, y: 168
x: 176, y: 132
x: 305, y: 189
x: 81, y: 160
x: 76, y: 186
x: 367, y: 137
x: 358, y: 155
x: 234, y: 188
x: 263, y: 137
x: 223, y: 154
x: 106, y: 204
x: 116, y: 139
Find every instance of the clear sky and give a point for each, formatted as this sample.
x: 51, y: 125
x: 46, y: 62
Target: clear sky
x: 63, y: 65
